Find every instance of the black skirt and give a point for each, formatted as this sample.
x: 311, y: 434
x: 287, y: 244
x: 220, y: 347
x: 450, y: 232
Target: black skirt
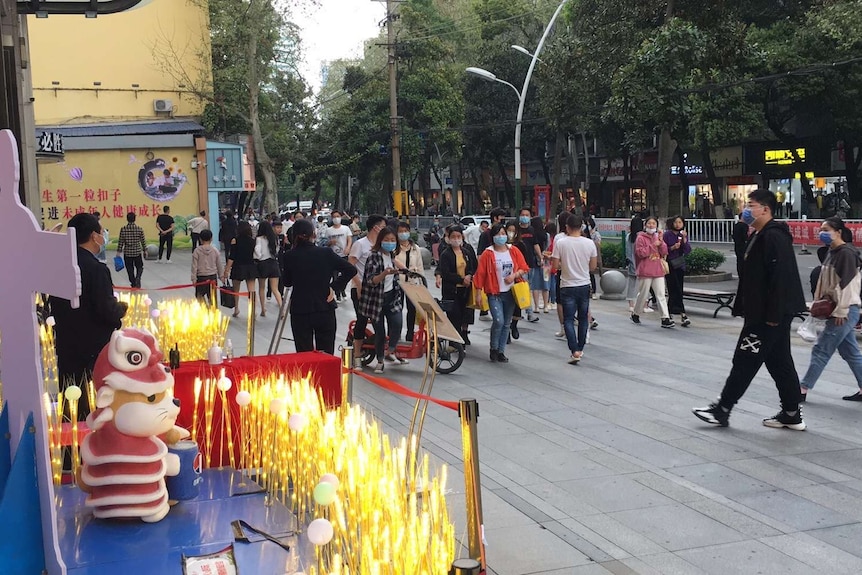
x: 243, y: 272
x: 268, y: 269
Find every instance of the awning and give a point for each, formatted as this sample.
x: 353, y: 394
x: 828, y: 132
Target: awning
x: 124, y: 129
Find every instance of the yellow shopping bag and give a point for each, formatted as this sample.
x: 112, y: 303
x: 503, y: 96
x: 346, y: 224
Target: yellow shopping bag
x: 521, y: 291
x: 484, y: 299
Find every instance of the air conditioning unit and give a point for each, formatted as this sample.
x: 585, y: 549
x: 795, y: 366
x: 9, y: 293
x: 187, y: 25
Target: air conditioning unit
x: 163, y: 105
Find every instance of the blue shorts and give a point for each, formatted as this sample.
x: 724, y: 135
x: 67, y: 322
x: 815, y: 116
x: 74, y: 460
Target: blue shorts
x: 537, y: 280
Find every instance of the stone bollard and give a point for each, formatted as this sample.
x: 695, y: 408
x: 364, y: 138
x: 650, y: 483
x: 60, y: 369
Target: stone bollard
x: 152, y: 252
x: 613, y: 284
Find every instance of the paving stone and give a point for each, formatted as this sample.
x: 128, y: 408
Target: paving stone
x: 520, y: 550
x: 644, y: 448
x: 844, y: 537
x: 772, y: 472
x: 676, y: 527
x: 664, y: 564
x: 557, y: 497
x: 616, y: 493
x: 811, y: 551
x: 746, y: 557
x: 720, y: 479
x: 666, y: 486
x: 615, y: 538
x: 793, y: 510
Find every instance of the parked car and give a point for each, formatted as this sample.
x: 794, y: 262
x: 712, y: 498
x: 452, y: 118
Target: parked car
x: 475, y: 219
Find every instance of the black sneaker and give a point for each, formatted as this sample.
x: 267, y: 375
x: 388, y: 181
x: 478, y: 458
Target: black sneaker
x: 594, y: 325
x: 685, y: 321
x: 494, y: 354
x: 667, y: 322
x: 636, y: 318
x: 515, y: 333
x: 855, y: 397
x: 502, y: 358
x: 783, y: 419
x: 714, y: 414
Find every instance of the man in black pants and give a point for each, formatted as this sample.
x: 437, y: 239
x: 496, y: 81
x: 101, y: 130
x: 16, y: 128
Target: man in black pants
x: 132, y: 246
x: 768, y: 297
x: 165, y: 224
x: 310, y: 271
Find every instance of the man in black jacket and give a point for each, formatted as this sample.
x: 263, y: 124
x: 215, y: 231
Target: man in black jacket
x: 768, y: 297
x: 82, y: 333
x: 310, y: 270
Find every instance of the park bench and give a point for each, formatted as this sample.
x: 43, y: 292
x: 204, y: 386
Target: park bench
x: 722, y: 298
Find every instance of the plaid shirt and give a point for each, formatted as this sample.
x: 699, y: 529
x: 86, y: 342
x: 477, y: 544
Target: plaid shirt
x: 371, y: 298
x: 131, y: 243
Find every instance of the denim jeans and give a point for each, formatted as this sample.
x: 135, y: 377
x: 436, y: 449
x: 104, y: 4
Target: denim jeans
x: 394, y: 320
x: 502, y: 307
x: 841, y: 337
x: 576, y: 300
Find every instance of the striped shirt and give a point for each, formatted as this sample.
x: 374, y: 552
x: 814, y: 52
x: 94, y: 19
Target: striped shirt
x: 131, y: 243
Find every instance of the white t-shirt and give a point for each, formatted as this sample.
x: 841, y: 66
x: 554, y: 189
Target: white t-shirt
x: 574, y: 254
x: 505, y: 268
x: 340, y: 233
x: 388, y: 281
x: 472, y: 235
x: 360, y: 250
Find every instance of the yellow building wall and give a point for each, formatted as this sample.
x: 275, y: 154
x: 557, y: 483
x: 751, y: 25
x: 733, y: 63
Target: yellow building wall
x: 162, y: 47
x: 112, y: 183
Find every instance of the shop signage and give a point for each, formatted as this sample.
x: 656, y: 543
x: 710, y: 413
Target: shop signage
x: 689, y: 170
x: 782, y: 157
x: 615, y: 171
x: 727, y: 162
x: 50, y: 145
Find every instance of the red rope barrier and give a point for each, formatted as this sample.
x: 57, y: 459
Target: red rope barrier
x: 183, y: 286
x: 390, y: 385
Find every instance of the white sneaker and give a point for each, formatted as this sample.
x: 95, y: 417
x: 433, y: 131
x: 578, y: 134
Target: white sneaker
x: 168, y: 261
x: 587, y: 340
x: 595, y: 296
x: 357, y: 364
x: 561, y: 333
x: 379, y: 368
x: 648, y: 309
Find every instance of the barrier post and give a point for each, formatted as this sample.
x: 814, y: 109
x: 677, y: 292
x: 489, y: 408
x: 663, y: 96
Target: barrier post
x: 465, y: 566
x: 346, y: 375
x: 468, y: 411
x: 214, y: 294
x: 252, y: 317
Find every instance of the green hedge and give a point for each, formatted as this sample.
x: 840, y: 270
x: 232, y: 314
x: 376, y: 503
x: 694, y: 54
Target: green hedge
x: 613, y: 255
x: 701, y: 260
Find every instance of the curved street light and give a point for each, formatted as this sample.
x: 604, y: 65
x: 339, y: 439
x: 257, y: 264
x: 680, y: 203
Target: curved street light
x: 523, y: 50
x: 522, y: 94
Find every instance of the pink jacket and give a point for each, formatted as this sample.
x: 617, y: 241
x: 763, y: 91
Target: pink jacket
x: 648, y: 255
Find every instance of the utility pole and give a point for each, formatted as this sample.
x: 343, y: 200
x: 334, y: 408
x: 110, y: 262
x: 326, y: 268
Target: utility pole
x: 395, y: 145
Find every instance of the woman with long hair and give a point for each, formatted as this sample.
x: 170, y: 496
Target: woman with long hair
x: 513, y: 238
x: 265, y: 257
x: 636, y: 226
x: 457, y: 266
x: 409, y: 257
x: 840, y: 282
x: 650, y: 250
x: 240, y: 263
x: 381, y: 297
x: 678, y: 246
x: 499, y: 268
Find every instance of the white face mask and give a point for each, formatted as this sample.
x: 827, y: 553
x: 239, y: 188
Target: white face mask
x: 511, y: 235
x: 650, y: 230
x: 456, y: 243
x: 336, y: 221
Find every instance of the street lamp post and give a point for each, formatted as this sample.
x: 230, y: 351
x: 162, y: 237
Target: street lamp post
x: 522, y: 95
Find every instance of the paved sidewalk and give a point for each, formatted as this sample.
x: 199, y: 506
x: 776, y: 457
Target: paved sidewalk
x: 602, y: 468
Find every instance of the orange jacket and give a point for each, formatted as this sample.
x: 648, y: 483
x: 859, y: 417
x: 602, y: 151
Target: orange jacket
x: 486, y: 275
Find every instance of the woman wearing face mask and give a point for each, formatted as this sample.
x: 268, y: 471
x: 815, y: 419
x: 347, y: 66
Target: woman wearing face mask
x: 457, y: 266
x: 839, y: 281
x: 513, y: 238
x: 650, y: 249
x: 381, y: 296
x: 499, y: 267
x: 678, y: 246
x: 408, y: 256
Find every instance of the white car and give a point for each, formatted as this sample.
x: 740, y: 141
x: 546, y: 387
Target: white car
x: 477, y: 219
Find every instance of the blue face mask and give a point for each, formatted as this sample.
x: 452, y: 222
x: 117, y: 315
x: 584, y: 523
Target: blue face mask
x: 524, y: 219
x: 826, y: 238
x: 746, y: 216
x: 501, y: 240
x: 404, y: 236
x: 388, y: 246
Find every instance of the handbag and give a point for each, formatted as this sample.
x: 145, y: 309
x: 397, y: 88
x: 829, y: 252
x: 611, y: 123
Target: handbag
x: 677, y: 262
x: 119, y: 264
x: 822, y: 308
x: 811, y: 328
x: 665, y: 268
x: 521, y: 291
x: 226, y: 298
x: 483, y: 298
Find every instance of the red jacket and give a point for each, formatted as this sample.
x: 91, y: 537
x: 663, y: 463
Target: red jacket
x: 486, y: 275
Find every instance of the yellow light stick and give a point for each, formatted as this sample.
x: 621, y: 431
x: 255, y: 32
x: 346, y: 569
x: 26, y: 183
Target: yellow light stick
x: 73, y: 412
x: 194, y: 430
x: 209, y: 387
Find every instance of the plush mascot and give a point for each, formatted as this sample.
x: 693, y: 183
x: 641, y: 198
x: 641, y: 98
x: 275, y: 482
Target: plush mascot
x: 125, y: 460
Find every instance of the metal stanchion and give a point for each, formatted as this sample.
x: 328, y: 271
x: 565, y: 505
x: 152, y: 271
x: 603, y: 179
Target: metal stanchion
x: 468, y: 411
x: 214, y: 294
x: 252, y: 317
x: 465, y: 566
x: 346, y: 376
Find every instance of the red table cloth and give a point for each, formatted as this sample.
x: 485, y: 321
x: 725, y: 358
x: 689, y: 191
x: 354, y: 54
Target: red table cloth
x: 325, y: 372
